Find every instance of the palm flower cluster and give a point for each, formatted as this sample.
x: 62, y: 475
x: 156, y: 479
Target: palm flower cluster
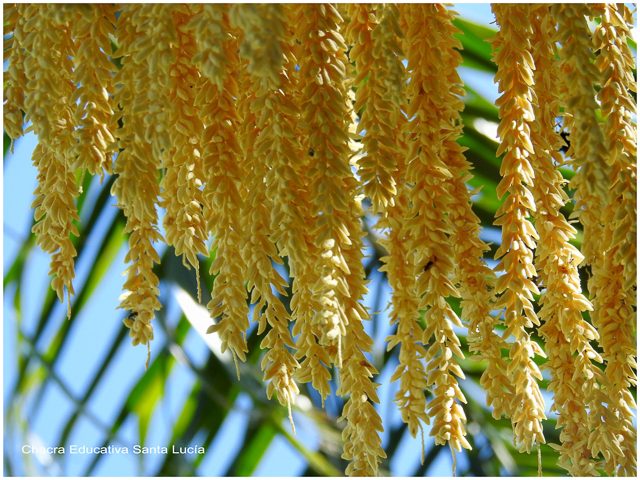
x: 266, y: 132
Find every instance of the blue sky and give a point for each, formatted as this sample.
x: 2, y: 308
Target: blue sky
x: 100, y: 321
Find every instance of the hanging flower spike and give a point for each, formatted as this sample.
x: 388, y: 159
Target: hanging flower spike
x: 323, y: 74
x: 136, y: 186
x: 258, y: 139
x: 362, y: 441
x: 427, y: 41
x: 55, y: 212
x: 615, y: 270
x: 411, y: 372
x: 593, y: 178
x: 92, y: 75
x: 587, y: 152
x: 156, y: 50
x: 390, y: 80
x: 285, y: 159
x: 296, y: 224
x: 511, y: 48
x: 618, y: 105
x: 363, y: 446
x: 575, y: 381
x: 387, y: 48
x: 222, y: 199
x: 47, y: 104
x: 377, y: 116
x: 49, y: 70
x: 473, y: 278
x: 183, y: 177
x: 16, y: 88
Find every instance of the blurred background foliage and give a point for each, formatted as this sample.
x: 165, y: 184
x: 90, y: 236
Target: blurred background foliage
x: 81, y: 382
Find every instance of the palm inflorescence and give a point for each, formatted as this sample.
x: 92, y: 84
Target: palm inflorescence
x: 265, y: 132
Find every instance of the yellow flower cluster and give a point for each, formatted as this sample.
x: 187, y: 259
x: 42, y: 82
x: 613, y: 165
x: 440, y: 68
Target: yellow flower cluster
x: 322, y: 120
x: 223, y: 176
x: 262, y: 144
x: 615, y: 270
x: 386, y: 38
x: 55, y: 212
x: 136, y: 186
x: 411, y: 371
x: 210, y: 36
x: 155, y: 49
x: 615, y: 64
x: 512, y: 55
x: 363, y: 443
x: 333, y: 193
x: 183, y: 177
x: 47, y: 102
x: 398, y: 264
x: 15, y: 76
x: 93, y: 74
x: 429, y: 39
x: 587, y: 151
x: 248, y: 124
x: 474, y: 279
x: 575, y: 381
x: 378, y: 115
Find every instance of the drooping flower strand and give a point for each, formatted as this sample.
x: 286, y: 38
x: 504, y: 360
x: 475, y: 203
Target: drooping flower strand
x: 613, y: 317
x: 589, y: 157
x: 387, y: 37
x: 616, y: 294
x: 322, y: 72
x: 362, y: 440
x: 262, y: 26
x: 427, y: 35
x: 136, y: 186
x: 260, y: 141
x: 400, y: 270
x: 473, y: 278
x: 291, y: 219
x: 378, y: 116
x: 616, y: 62
x: 16, y: 88
x: 184, y: 224
x: 49, y: 68
x: 286, y: 159
x: 575, y: 380
x: 476, y: 283
x: 512, y: 48
x: 55, y: 212
x: 221, y: 155
x: 587, y: 153
x: 363, y: 445
x: 48, y: 107
x: 92, y: 75
x: 156, y: 51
